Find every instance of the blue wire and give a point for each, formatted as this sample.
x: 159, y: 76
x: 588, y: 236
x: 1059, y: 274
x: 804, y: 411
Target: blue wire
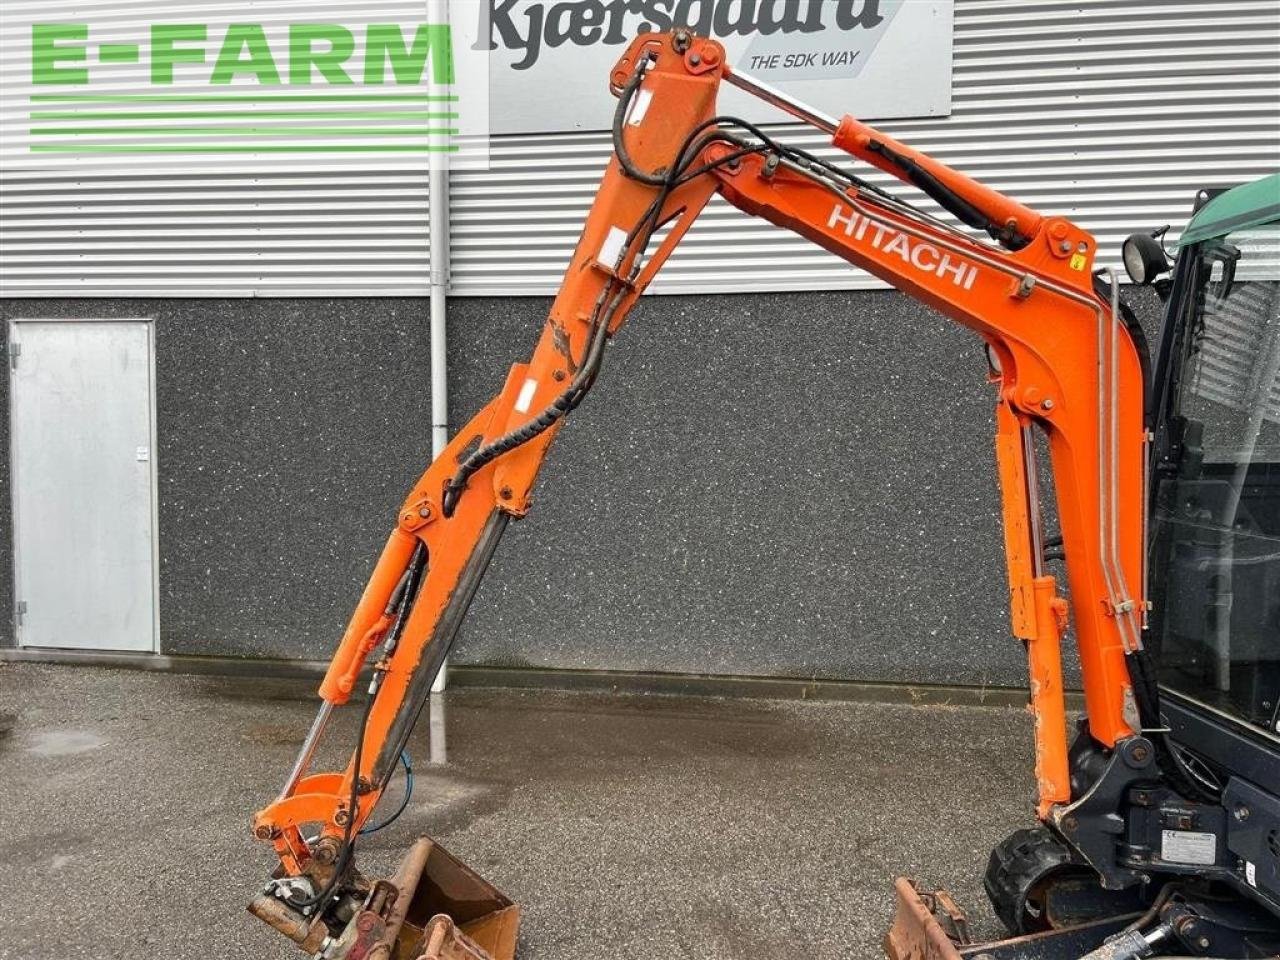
x: 408, y: 792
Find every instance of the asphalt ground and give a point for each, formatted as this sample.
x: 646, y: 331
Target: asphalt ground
x: 629, y: 827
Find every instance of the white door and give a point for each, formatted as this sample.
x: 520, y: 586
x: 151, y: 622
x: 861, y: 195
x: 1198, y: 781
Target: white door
x: 82, y: 419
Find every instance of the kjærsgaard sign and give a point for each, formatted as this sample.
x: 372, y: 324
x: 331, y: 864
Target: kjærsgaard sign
x: 877, y: 59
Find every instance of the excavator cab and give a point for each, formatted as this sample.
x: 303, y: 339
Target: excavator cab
x: 1216, y: 473
x: 1215, y: 525
x: 1208, y: 839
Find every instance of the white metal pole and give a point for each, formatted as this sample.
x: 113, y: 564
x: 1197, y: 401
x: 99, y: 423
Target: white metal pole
x: 438, y: 212
x: 439, y: 738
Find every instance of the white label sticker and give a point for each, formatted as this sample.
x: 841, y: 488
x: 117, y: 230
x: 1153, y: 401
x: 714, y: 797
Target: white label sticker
x: 526, y: 395
x: 1250, y: 873
x: 1187, y: 846
x: 612, y: 247
x: 142, y: 454
x: 639, y: 107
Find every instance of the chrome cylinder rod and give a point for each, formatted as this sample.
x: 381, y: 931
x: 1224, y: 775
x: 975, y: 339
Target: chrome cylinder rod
x: 782, y: 101
x: 303, y: 763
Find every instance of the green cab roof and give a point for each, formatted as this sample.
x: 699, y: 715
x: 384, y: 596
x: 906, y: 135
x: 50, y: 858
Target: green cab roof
x: 1247, y: 205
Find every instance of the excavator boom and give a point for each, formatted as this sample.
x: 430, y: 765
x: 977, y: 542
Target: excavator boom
x: 1063, y: 361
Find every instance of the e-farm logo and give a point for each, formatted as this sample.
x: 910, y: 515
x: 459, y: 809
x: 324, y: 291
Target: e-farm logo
x: 201, y: 88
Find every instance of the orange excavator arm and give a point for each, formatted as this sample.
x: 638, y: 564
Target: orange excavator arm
x: 1062, y: 361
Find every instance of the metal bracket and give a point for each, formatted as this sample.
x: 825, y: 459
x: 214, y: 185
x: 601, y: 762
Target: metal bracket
x: 15, y: 351
x: 1132, y: 715
x: 417, y: 514
x: 20, y: 611
x: 609, y: 271
x: 1092, y: 825
x: 1117, y: 607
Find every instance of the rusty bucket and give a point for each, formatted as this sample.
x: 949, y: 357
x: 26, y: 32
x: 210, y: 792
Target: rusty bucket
x: 917, y: 933
x: 434, y: 907
x: 452, y: 913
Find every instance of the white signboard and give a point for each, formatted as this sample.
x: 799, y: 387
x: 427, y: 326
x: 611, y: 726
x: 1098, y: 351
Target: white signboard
x: 876, y: 59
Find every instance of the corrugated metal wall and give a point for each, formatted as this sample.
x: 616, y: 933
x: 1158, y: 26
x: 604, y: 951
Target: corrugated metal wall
x: 1111, y: 111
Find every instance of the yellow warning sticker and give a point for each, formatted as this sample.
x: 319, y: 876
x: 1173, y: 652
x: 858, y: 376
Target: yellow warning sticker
x: 1079, y: 261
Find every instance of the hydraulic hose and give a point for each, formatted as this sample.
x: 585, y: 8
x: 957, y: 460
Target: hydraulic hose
x: 553, y: 412
x: 669, y: 178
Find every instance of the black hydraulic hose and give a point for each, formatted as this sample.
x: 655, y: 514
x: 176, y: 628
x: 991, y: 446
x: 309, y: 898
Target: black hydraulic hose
x: 408, y: 587
x: 677, y: 177
x: 348, y: 840
x: 620, y: 118
x: 957, y: 205
x: 554, y: 411
x: 931, y: 185
x: 1146, y: 695
x: 1153, y: 912
x: 673, y: 175
x: 605, y: 309
x: 843, y: 174
x: 668, y: 179
x: 657, y: 179
x: 404, y: 801
x: 401, y: 604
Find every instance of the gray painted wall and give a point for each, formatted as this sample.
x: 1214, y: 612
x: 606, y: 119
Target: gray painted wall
x: 779, y: 485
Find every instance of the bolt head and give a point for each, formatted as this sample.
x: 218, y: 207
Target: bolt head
x: 324, y: 852
x: 424, y: 512
x: 1048, y: 404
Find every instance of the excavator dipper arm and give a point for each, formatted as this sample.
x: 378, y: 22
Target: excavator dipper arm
x: 1061, y: 358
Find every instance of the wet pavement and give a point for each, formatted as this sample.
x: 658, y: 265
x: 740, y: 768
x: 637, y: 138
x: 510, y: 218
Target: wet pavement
x: 629, y: 827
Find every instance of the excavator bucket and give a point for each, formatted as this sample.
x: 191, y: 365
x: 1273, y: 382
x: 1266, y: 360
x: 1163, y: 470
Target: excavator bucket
x: 453, y: 914
x: 930, y: 926
x: 433, y: 907
x: 917, y: 932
